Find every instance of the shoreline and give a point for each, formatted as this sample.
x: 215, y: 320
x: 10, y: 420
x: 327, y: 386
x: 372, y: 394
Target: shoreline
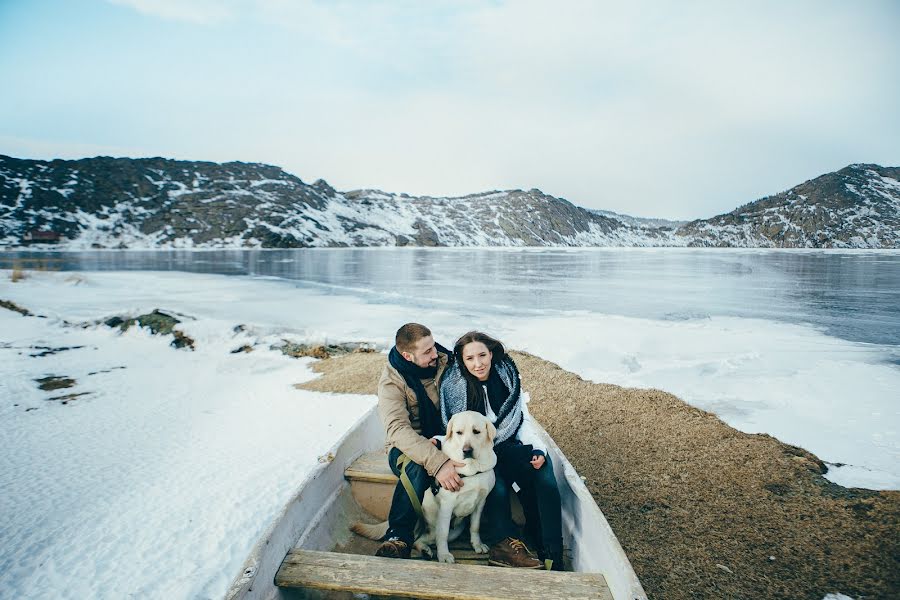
x: 701, y: 509
x: 733, y: 249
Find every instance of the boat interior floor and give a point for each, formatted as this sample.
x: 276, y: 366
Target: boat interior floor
x: 345, y: 511
x: 331, y: 562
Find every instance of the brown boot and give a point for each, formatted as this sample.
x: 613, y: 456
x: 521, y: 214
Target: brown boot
x: 393, y: 548
x: 513, y: 553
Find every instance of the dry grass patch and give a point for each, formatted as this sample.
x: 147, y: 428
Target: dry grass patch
x: 705, y: 511
x: 702, y: 510
x: 355, y: 373
x: 19, y: 267
x: 54, y: 382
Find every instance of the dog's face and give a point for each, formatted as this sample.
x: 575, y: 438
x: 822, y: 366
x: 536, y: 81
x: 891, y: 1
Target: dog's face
x: 469, y: 435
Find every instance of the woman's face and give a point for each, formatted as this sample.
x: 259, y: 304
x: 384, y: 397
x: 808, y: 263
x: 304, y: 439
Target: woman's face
x: 477, y: 359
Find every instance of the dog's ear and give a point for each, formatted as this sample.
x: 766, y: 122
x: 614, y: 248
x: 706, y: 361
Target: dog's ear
x: 450, y: 428
x: 491, y: 431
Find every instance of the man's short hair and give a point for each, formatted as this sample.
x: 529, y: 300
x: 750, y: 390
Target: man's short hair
x: 409, y: 335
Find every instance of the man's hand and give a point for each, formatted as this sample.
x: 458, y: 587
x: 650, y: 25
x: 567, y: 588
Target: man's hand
x: 537, y: 461
x: 448, y: 477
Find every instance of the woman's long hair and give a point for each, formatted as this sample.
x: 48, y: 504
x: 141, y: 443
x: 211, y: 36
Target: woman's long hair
x: 475, y: 399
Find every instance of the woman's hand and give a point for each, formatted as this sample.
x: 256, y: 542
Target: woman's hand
x: 537, y: 461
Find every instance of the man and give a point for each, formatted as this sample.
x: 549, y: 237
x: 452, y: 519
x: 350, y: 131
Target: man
x: 409, y: 406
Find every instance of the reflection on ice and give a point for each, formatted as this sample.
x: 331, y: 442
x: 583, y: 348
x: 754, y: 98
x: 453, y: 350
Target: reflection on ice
x: 850, y: 295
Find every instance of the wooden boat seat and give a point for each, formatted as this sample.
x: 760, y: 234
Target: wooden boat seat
x: 372, y: 483
x: 389, y: 577
x: 373, y: 467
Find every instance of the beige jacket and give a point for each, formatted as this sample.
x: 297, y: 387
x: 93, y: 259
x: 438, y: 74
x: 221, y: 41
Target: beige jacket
x: 398, y: 408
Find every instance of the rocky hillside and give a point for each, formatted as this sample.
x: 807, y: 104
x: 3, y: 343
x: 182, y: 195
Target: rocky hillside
x: 157, y: 203
x: 856, y: 207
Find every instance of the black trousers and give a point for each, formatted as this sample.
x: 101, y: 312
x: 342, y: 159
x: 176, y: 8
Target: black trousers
x: 540, y: 500
x: 497, y: 523
x: 402, y: 517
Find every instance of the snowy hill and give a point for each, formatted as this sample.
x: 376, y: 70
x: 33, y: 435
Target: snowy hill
x: 158, y: 203
x: 856, y: 207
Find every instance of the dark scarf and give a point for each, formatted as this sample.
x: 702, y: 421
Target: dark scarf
x: 413, y: 374
x: 455, y: 397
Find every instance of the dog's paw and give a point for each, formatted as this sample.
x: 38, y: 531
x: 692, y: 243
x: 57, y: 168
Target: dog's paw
x: 480, y: 548
x: 425, y: 550
x: 446, y: 558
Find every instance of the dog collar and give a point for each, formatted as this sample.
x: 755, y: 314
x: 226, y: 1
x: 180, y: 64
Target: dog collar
x: 436, y: 487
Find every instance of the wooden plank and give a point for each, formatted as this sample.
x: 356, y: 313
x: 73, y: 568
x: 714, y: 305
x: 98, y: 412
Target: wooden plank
x: 371, y: 467
x: 432, y: 580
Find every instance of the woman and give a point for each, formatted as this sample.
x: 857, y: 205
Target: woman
x: 483, y: 378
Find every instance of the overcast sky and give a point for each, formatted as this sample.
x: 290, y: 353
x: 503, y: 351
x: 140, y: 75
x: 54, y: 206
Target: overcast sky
x: 669, y: 109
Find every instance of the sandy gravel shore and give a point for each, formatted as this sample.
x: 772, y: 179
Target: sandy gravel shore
x: 702, y: 510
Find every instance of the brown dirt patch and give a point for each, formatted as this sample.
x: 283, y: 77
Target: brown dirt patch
x: 355, y: 373
x: 702, y: 510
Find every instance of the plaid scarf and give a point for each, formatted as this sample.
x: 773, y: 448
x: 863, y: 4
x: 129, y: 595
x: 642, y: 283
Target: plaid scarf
x: 455, y: 399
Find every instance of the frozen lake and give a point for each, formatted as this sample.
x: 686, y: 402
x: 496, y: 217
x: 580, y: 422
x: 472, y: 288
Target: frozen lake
x: 850, y: 295
x: 803, y: 345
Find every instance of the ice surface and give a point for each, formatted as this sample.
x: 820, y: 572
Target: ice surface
x: 851, y: 476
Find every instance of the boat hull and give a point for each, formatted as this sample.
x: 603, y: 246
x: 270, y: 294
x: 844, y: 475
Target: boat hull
x: 318, y: 513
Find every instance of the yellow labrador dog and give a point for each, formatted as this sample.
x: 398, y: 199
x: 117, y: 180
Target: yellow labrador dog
x: 470, y: 440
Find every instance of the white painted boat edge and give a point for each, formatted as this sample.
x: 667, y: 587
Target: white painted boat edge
x: 314, y: 495
x: 585, y: 528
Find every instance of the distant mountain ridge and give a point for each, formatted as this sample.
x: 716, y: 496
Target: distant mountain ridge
x: 856, y: 207
x: 159, y: 203
x: 639, y: 221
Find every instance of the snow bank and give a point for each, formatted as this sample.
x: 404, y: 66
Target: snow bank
x: 158, y: 481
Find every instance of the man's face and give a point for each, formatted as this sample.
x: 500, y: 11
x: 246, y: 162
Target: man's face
x: 424, y: 355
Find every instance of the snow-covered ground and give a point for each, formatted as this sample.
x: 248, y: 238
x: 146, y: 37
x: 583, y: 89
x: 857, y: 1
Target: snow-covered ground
x: 159, y: 480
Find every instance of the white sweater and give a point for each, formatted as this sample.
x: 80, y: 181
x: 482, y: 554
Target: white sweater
x: 527, y: 434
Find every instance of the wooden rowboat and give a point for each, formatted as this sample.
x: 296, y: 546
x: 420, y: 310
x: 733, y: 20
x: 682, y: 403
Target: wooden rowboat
x: 309, y: 552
